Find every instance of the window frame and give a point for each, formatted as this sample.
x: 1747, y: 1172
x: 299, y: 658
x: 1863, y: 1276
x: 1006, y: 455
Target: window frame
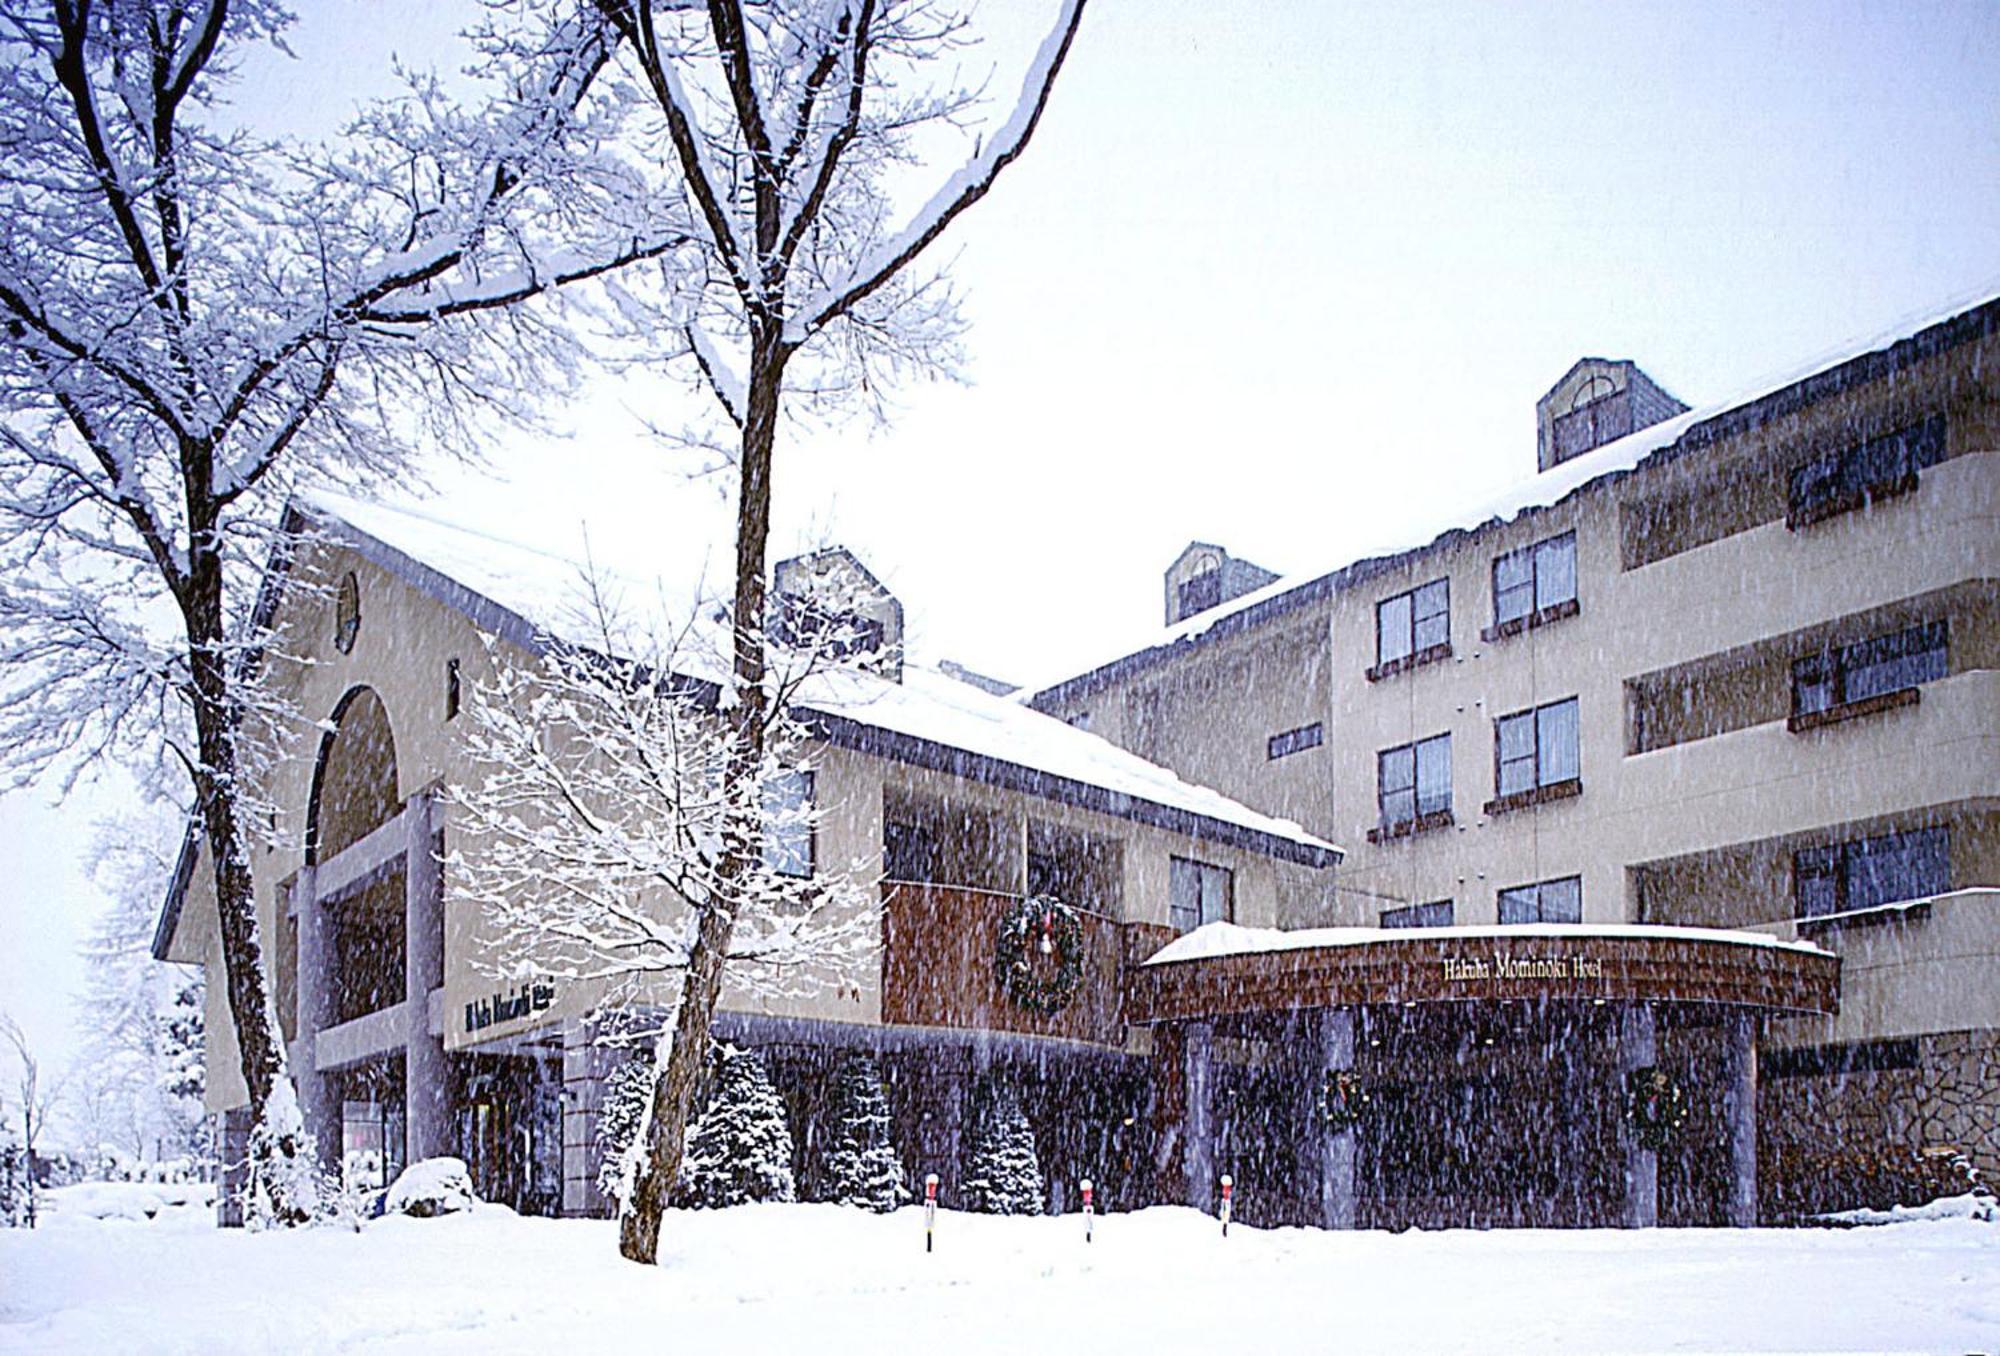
x: 1859, y: 474
x: 1539, y: 611
x: 1177, y: 869
x: 1834, y: 863
x: 1298, y: 739
x: 1540, y: 789
x: 1538, y: 888
x: 1424, y: 816
x: 773, y: 847
x: 1835, y: 668
x: 1412, y: 916
x: 1415, y: 655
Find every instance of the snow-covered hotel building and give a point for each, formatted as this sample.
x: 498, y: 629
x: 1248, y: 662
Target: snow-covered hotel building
x: 1679, y: 769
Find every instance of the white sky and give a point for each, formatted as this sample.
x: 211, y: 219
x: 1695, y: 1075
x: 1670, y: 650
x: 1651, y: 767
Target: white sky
x: 1276, y: 275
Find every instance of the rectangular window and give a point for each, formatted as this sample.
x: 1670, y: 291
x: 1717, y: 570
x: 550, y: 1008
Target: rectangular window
x: 1549, y: 901
x: 1295, y: 741
x: 1854, y: 476
x: 1870, y: 668
x: 1534, y: 582
x: 1413, y: 781
x: 1198, y: 893
x: 1198, y: 594
x: 1866, y: 873
x: 1412, y: 626
x: 1535, y: 749
x: 452, y: 691
x: 788, y: 827
x: 1436, y: 914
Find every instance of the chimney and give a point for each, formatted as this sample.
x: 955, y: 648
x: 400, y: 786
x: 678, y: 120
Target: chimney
x: 827, y: 600
x: 1598, y: 401
x: 1205, y: 576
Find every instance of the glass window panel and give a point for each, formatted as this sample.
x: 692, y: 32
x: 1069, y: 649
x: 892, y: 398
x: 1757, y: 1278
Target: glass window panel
x: 1436, y: 914
x: 1555, y: 571
x: 1513, y: 586
x: 1214, y: 895
x: 1433, y: 614
x: 1434, y: 775
x: 1562, y: 900
x: 1392, y: 629
x: 1893, y: 662
x: 1555, y: 741
x: 1184, y: 895
x: 1812, y: 684
x: 1518, y: 905
x: 1898, y: 867
x: 1517, y: 753
x: 788, y: 829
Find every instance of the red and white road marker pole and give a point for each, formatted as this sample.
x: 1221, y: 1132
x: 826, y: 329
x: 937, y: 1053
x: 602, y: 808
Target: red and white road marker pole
x: 930, y: 1209
x: 1088, y: 1210
x: 1228, y: 1187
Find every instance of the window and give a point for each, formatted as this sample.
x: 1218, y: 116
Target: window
x: 1197, y: 893
x: 1856, y: 476
x: 1550, y: 901
x: 1436, y: 914
x: 1866, y: 873
x: 1079, y: 721
x: 1533, y: 585
x: 347, y: 614
x: 1295, y: 741
x: 452, y: 691
x: 1412, y: 628
x: 1413, y: 785
x: 1534, y: 753
x: 1869, y: 670
x: 1199, y: 594
x: 788, y: 829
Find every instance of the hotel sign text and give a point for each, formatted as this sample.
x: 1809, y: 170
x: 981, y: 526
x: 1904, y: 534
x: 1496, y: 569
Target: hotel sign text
x: 1565, y: 967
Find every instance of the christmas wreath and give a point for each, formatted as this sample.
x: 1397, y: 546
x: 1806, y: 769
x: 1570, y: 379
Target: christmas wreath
x: 1341, y: 1098
x: 1038, y: 955
x: 1655, y: 1106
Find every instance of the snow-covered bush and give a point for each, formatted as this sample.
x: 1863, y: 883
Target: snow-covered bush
x: 861, y: 1166
x: 741, y: 1148
x: 429, y: 1187
x: 1003, y: 1175
x: 1804, y: 1186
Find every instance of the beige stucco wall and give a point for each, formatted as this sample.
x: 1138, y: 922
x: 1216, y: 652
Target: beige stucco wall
x: 405, y: 641
x: 1211, y: 709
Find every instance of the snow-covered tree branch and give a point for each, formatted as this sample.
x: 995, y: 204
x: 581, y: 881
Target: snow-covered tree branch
x: 192, y: 319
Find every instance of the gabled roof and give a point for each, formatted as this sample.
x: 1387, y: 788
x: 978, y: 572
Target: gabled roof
x: 529, y: 592
x: 1854, y: 365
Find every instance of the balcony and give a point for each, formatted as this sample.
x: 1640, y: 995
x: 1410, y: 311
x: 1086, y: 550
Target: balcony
x: 938, y: 945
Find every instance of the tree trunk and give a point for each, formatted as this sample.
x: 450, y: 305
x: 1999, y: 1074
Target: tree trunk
x: 701, y: 986
x: 217, y: 724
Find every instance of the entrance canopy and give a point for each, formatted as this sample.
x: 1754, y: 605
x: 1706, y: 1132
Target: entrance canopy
x: 1222, y: 970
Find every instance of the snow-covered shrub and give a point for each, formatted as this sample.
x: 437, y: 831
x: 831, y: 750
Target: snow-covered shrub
x: 741, y: 1148
x: 1003, y: 1175
x: 861, y: 1166
x: 429, y: 1187
x: 624, y: 1106
x: 1805, y: 1185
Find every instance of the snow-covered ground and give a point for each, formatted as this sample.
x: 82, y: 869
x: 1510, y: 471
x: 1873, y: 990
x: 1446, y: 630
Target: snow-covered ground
x: 817, y: 1278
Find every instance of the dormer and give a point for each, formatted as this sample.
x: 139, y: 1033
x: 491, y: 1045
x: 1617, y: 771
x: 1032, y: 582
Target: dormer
x: 1205, y: 576
x: 1597, y: 401
x: 828, y: 599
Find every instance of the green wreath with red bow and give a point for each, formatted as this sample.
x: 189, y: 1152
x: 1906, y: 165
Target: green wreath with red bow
x: 1038, y: 954
x: 1655, y: 1106
x: 1341, y: 1100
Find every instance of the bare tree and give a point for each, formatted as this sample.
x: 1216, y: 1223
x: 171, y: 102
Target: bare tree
x: 191, y: 319
x: 785, y: 122
x: 36, y: 1099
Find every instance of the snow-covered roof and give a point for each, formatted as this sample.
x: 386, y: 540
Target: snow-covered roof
x: 530, y: 583
x: 1228, y: 939
x: 1858, y: 360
